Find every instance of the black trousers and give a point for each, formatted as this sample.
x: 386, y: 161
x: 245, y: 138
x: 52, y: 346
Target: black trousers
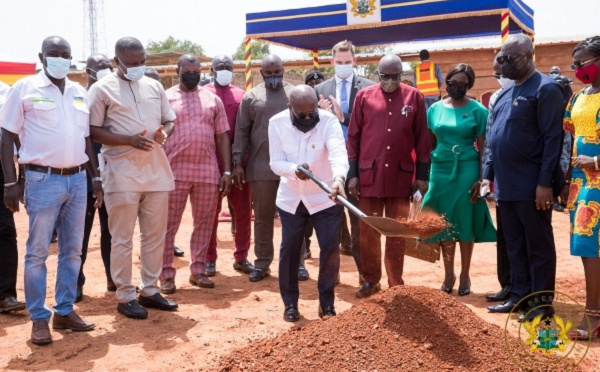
x: 327, y: 228
x: 351, y: 238
x: 104, y: 237
x: 9, y: 255
x: 502, y: 263
x: 531, y: 251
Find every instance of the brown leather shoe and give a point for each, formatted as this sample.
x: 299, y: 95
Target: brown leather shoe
x: 167, y: 286
x: 40, y: 333
x: 201, y: 280
x: 368, y: 289
x: 71, y: 321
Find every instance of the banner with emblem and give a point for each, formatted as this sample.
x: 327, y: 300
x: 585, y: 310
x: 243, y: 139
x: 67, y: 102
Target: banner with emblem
x: 363, y: 11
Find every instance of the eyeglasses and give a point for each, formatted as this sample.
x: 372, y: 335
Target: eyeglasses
x: 454, y: 83
x: 304, y: 115
x: 578, y: 64
x: 497, y: 76
x: 510, y: 58
x: 390, y: 76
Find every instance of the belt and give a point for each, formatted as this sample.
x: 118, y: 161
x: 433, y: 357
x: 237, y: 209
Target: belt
x: 456, y: 151
x: 60, y: 171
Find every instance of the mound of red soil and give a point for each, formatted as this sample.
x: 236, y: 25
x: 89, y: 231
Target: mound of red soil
x: 402, y: 329
x: 426, y: 224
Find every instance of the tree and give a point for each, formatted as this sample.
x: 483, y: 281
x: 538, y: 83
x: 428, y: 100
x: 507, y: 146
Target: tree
x: 171, y: 44
x: 257, y: 50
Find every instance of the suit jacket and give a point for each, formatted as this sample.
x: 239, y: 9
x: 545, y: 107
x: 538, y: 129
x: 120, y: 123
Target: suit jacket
x: 328, y: 88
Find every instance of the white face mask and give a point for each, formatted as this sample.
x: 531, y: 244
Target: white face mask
x: 224, y: 77
x: 504, y: 82
x: 101, y: 74
x: 133, y: 73
x: 343, y: 71
x: 57, y: 67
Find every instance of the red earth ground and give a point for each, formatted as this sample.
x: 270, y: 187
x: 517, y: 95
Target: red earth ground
x: 212, y: 324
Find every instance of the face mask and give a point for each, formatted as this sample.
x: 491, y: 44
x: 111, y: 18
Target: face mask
x: 587, y: 74
x: 133, y: 73
x: 389, y: 85
x: 57, y: 67
x: 504, y: 82
x: 304, y: 125
x: 274, y: 82
x: 343, y: 71
x: 101, y: 74
x: 511, y: 71
x: 554, y: 75
x: 224, y: 77
x: 456, y: 93
x: 190, y: 80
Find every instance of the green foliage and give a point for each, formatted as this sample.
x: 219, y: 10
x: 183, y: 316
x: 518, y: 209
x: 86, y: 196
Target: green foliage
x: 257, y: 50
x: 171, y: 44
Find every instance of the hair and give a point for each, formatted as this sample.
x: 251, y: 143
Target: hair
x: 50, y: 41
x: 128, y: 44
x: 343, y: 46
x: 463, y: 67
x: 191, y: 58
x: 592, y: 44
x: 424, y: 54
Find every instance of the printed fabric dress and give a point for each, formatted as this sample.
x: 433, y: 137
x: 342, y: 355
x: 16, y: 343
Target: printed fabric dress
x: 582, y: 119
x: 454, y: 169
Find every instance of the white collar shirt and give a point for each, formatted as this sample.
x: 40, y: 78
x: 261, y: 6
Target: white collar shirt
x: 324, y: 150
x: 338, y: 87
x: 51, y: 126
x: 4, y: 89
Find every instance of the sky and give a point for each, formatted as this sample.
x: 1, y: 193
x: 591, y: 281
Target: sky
x: 217, y: 25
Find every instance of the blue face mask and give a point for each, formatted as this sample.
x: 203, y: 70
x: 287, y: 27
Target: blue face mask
x: 554, y: 75
x: 133, y: 73
x: 57, y: 67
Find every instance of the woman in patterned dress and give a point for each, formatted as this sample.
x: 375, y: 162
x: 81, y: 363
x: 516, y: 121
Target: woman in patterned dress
x: 582, y: 119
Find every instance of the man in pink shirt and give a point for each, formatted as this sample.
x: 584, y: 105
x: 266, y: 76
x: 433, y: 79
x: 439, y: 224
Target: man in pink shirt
x: 191, y: 152
x: 239, y: 199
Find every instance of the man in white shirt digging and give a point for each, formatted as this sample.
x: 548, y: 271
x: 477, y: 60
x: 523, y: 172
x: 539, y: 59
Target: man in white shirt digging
x: 305, y: 135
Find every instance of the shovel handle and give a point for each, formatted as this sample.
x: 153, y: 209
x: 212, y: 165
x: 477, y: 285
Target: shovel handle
x: 327, y: 189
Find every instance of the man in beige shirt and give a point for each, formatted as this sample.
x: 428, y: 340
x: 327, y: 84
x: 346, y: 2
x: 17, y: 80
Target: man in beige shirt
x: 131, y: 116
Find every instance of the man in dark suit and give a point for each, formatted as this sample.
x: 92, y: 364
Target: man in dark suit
x: 339, y: 92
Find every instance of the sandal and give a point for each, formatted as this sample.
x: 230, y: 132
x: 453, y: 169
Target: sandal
x: 448, y: 290
x: 580, y: 334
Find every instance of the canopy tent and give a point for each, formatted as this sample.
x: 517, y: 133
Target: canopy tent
x: 12, y: 69
x: 381, y: 22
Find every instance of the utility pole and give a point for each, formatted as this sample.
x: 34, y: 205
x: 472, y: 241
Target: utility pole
x: 94, y: 28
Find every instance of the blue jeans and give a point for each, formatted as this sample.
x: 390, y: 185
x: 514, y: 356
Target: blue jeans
x: 53, y: 200
x: 327, y: 227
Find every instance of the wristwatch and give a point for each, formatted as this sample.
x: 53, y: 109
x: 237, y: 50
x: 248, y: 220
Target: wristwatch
x: 227, y: 173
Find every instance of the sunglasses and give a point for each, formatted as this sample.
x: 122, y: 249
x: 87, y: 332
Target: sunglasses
x: 304, y: 115
x: 578, y: 64
x: 510, y: 58
x: 454, y: 83
x: 390, y: 76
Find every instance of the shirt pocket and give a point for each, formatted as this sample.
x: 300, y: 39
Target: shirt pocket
x: 366, y: 172
x: 291, y: 150
x: 81, y: 115
x: 46, y: 112
x: 151, y: 112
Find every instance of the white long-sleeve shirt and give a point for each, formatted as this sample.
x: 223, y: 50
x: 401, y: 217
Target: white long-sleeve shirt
x: 324, y: 150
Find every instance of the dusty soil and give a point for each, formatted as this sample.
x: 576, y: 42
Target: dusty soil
x: 239, y: 319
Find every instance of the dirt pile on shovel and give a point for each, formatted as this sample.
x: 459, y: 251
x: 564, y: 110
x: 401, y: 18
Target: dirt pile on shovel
x: 426, y: 223
x: 402, y: 329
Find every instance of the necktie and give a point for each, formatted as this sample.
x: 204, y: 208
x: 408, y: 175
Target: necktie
x: 344, y: 97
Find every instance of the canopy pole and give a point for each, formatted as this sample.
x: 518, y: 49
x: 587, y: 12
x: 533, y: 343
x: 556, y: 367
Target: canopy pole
x: 504, y: 20
x: 532, y: 36
x: 315, y: 53
x: 248, y: 62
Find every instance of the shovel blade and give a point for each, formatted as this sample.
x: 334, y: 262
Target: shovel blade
x: 389, y: 227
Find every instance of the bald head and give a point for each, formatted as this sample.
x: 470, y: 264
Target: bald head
x: 272, y: 71
x: 390, y: 64
x: 303, y: 95
x: 55, y: 42
x: 518, y: 43
x: 188, y: 59
x: 222, y: 59
x: 555, y: 70
x: 93, y: 60
x: 128, y: 44
x: 270, y: 60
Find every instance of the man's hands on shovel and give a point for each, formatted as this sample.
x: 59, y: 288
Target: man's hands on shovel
x: 337, y: 187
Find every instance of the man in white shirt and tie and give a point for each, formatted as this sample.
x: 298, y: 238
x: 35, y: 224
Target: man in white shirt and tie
x: 305, y: 135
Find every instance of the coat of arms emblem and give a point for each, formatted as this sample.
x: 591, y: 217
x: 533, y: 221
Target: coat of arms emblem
x: 362, y: 8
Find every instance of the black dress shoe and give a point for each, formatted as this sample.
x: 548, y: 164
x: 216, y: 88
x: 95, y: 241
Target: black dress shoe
x: 502, y: 295
x: 505, y: 307
x: 327, y: 311
x: 546, y: 312
x: 178, y: 252
x: 558, y: 207
x: 368, y: 289
x: 158, y: 302
x: 465, y: 291
x: 11, y: 304
x: 291, y: 313
x: 211, y: 268
x: 244, y: 266
x: 79, y: 295
x: 132, y: 309
x: 303, y: 273
x: 259, y: 274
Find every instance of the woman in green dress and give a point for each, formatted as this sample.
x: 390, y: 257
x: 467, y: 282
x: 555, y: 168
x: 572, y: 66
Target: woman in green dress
x: 455, y: 125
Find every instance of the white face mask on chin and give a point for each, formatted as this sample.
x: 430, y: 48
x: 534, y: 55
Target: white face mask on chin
x: 504, y: 82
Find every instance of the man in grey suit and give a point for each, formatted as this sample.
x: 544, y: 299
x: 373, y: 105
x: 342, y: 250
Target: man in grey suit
x: 337, y: 94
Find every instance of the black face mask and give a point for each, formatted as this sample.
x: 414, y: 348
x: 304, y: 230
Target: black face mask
x: 456, y: 93
x: 273, y: 82
x: 190, y: 80
x: 306, y: 124
x: 510, y: 71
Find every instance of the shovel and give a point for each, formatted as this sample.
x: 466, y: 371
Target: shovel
x: 385, y: 226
